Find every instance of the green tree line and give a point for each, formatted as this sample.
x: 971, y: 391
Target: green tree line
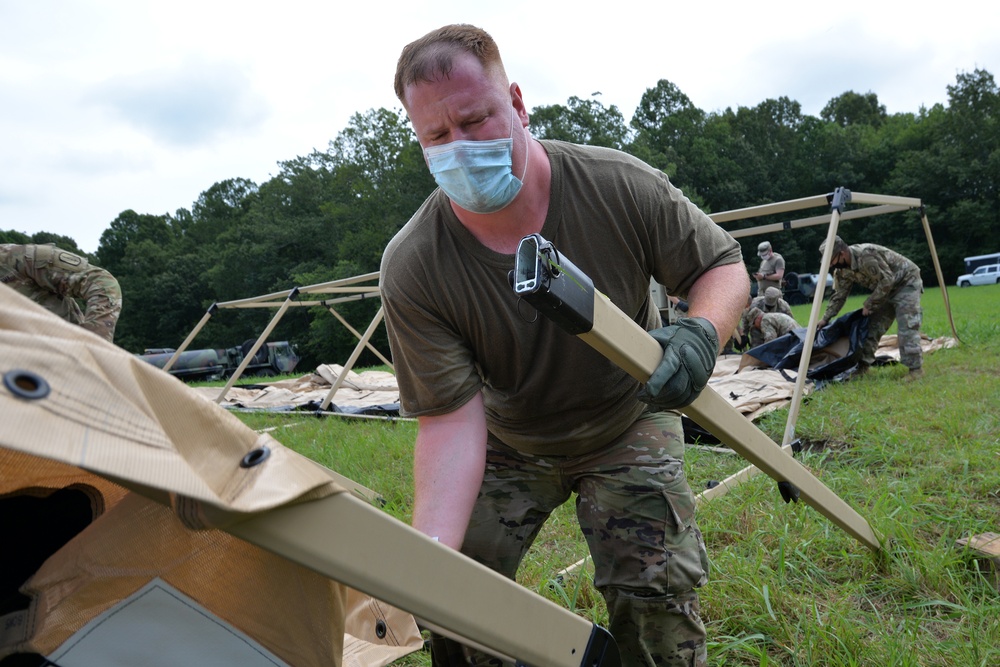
x: 328, y: 215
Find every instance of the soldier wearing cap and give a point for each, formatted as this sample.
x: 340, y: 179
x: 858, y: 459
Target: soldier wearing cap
x: 895, y: 286
x: 772, y: 268
x: 768, y: 326
x: 61, y: 281
x: 769, y: 302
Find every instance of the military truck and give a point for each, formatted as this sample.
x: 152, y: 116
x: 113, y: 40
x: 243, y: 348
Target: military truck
x: 799, y: 288
x: 271, y: 359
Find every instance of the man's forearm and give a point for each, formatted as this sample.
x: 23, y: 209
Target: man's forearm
x: 449, y: 459
x: 719, y: 296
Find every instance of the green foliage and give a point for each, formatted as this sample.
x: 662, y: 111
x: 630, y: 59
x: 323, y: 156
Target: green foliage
x: 581, y: 122
x: 850, y: 108
x: 64, y: 242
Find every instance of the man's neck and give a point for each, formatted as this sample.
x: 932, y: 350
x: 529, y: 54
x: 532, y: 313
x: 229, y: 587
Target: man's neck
x: 502, y: 231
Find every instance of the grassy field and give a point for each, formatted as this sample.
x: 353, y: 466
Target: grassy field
x: 920, y: 461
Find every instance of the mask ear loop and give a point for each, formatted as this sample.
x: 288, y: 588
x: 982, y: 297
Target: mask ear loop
x: 524, y: 172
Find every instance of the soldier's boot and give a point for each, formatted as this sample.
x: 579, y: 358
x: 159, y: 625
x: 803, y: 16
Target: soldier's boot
x: 914, y: 374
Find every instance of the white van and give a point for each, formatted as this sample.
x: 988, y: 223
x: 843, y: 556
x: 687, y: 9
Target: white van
x: 984, y: 275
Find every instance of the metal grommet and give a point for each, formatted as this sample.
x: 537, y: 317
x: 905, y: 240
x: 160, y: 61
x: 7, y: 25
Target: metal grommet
x: 380, y: 629
x: 255, y: 457
x: 25, y: 384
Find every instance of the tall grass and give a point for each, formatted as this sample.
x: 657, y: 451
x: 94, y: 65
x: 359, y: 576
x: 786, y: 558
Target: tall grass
x: 920, y: 461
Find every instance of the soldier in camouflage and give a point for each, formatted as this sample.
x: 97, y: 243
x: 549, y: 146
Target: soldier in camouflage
x: 769, y: 302
x: 765, y: 327
x: 60, y: 281
x: 895, y: 286
x: 772, y: 268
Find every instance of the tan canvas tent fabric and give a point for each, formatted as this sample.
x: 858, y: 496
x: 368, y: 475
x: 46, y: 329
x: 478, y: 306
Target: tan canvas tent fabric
x: 81, y: 414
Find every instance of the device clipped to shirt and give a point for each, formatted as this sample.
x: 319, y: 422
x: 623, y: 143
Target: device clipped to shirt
x: 553, y: 285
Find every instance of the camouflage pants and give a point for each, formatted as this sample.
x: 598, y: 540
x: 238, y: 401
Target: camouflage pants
x: 636, y: 511
x: 904, y: 307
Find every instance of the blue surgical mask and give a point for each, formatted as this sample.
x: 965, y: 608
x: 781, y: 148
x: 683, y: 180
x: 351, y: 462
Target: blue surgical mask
x: 476, y: 175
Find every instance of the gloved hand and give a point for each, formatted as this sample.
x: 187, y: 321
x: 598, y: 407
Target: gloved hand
x: 690, y: 349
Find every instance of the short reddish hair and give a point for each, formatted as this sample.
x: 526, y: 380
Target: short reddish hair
x: 433, y: 55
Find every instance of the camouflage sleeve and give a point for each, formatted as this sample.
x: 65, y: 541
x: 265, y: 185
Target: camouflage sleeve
x: 102, y: 295
x: 841, y: 290
x: 768, y: 329
x: 881, y: 275
x: 783, y: 307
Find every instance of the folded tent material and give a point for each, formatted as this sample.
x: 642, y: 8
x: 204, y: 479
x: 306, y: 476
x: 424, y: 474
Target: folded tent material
x: 85, y: 420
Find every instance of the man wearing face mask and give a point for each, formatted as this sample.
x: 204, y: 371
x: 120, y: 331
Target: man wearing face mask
x: 772, y: 268
x: 895, y: 286
x: 515, y: 414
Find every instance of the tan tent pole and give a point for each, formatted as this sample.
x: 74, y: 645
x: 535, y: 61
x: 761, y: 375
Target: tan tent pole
x: 868, y: 198
x: 293, y: 294
x: 743, y: 475
x: 937, y: 270
x: 187, y: 341
x: 343, y: 538
x: 326, y: 287
x: 567, y: 296
x: 812, y: 221
x: 711, y: 411
x: 627, y: 344
x: 357, y: 335
x: 353, y: 280
x: 305, y: 303
x: 354, y: 357
x: 839, y: 201
x: 767, y: 209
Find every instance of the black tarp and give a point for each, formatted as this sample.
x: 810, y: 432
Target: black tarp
x: 837, y: 347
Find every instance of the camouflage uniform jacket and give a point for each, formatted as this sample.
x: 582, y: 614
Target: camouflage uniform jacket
x: 876, y: 268
x: 56, y: 278
x: 773, y: 325
x: 780, y: 306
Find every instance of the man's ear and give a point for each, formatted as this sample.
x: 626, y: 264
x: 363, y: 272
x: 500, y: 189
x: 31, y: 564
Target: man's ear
x: 518, y: 102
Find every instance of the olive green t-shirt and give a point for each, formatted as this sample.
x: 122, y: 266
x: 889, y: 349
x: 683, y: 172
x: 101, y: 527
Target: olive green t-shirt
x: 456, y: 326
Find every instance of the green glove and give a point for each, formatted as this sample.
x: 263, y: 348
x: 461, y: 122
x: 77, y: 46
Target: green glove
x: 690, y: 349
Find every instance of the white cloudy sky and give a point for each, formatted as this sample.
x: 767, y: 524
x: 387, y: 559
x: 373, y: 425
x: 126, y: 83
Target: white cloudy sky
x: 108, y: 105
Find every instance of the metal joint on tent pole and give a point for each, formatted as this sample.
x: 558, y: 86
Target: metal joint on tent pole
x: 786, y: 225
x: 840, y: 199
x: 294, y: 294
x: 213, y: 308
